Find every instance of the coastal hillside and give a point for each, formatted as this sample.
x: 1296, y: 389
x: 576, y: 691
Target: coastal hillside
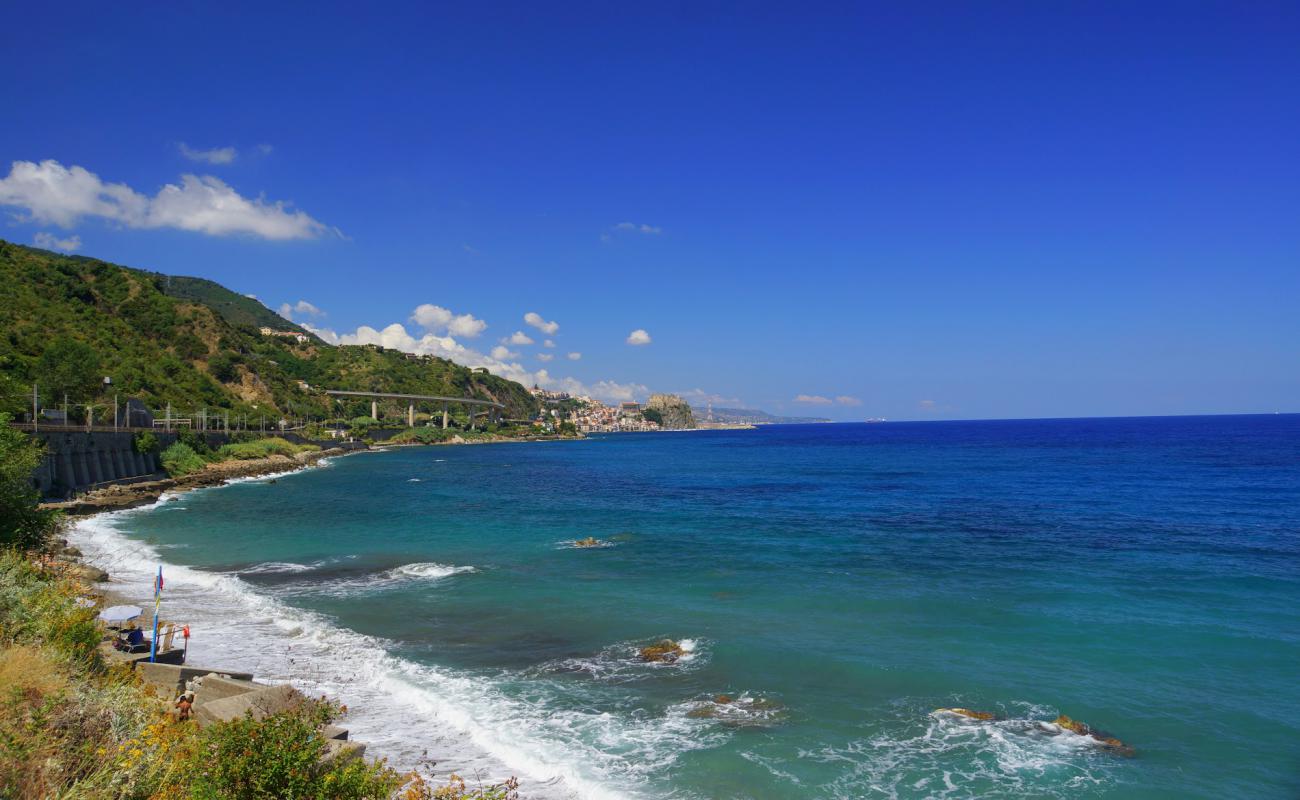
x: 751, y: 416
x: 69, y: 321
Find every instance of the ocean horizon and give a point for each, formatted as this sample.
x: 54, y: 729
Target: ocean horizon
x: 831, y: 587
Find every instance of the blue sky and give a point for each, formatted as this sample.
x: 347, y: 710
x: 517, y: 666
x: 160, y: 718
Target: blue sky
x: 858, y: 210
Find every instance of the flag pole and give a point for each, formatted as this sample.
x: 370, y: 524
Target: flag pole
x: 157, y: 601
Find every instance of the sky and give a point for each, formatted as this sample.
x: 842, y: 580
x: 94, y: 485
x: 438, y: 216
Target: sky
x: 910, y: 211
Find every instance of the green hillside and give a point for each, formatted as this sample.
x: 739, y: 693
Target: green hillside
x: 237, y: 309
x: 68, y: 321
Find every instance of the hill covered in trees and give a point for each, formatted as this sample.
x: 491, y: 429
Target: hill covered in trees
x: 68, y: 321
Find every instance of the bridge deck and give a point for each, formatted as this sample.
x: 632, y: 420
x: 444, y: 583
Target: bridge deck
x: 439, y: 398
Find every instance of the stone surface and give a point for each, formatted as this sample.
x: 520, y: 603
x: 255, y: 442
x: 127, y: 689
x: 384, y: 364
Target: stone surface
x: 676, y: 412
x: 261, y: 704
x: 969, y: 714
x: 666, y: 651
x: 1101, y: 737
x: 216, y: 687
x: 171, y: 678
x: 343, y: 750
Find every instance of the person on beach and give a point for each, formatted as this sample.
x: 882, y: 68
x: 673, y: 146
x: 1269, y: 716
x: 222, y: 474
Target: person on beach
x: 184, y: 706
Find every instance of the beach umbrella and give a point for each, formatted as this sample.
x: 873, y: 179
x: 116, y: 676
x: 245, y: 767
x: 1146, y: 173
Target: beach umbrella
x: 120, y: 613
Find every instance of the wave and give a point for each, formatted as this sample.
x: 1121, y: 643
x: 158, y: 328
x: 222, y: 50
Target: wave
x: 478, y: 724
x: 276, y: 567
x: 946, y: 755
x: 622, y: 662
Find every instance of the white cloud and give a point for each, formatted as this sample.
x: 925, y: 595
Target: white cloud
x: 544, y: 356
x: 265, y: 149
x: 548, y: 343
x: 51, y: 242
x: 503, y: 353
x: 519, y: 337
x: 632, y: 227
x: 59, y: 195
x: 217, y: 155
x: 815, y: 399
x: 437, y: 318
x: 846, y: 400
x: 301, y: 307
x: 638, y: 337
x: 535, y: 319
x: 700, y: 397
x: 575, y: 356
x: 927, y: 405
x: 396, y: 336
x: 431, y: 317
x: 466, y: 325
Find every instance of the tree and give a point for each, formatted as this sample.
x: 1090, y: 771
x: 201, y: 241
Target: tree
x: 653, y: 415
x: 68, y: 367
x: 222, y: 367
x: 23, y: 524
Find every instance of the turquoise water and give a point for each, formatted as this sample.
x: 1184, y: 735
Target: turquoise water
x: 840, y: 582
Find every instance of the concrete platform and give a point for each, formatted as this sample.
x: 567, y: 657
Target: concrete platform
x: 261, y: 704
x: 172, y: 678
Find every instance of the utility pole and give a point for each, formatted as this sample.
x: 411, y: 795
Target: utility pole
x: 34, y: 410
x: 114, y: 412
x: 169, y: 417
x: 65, y: 408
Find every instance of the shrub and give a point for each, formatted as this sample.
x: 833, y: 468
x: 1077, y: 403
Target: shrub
x: 282, y: 756
x: 23, y: 524
x: 38, y: 608
x: 194, y: 441
x: 261, y: 448
x: 145, y: 442
x: 180, y: 459
x: 422, y: 436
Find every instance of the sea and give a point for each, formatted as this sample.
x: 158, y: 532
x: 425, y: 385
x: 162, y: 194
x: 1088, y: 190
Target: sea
x: 831, y: 586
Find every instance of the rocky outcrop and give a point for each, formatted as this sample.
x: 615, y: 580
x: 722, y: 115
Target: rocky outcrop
x: 666, y: 651
x: 675, y: 411
x: 1101, y: 737
x: 590, y: 541
x: 983, y: 716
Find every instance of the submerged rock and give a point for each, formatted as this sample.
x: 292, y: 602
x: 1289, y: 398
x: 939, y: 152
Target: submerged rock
x: 590, y: 541
x: 665, y: 651
x: 1101, y: 737
x: 966, y: 712
x: 739, y: 712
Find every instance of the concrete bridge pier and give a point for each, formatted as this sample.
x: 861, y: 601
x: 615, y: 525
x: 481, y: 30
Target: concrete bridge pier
x: 410, y: 416
x: 444, y: 416
x: 374, y: 409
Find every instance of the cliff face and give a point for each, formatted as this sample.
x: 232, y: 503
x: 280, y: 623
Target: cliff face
x: 676, y: 411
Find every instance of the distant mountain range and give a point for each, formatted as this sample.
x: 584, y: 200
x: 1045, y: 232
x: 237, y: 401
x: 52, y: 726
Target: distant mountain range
x: 751, y: 416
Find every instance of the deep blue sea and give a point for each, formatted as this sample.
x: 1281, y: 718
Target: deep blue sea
x: 838, y: 582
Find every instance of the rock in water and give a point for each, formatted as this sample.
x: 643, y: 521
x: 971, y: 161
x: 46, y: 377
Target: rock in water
x: 966, y: 712
x: 1101, y: 737
x: 590, y: 541
x: 666, y: 651
x: 675, y: 411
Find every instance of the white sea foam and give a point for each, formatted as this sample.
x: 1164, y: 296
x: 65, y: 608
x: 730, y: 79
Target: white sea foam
x: 274, y: 567
x: 622, y: 662
x: 405, y: 711
x: 947, y: 755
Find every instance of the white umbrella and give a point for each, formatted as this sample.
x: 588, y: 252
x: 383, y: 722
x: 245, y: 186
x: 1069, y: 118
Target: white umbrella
x: 120, y: 613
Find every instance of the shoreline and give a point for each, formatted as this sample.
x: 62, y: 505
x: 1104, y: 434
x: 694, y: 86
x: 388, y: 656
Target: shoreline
x: 388, y: 697
x: 122, y: 496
